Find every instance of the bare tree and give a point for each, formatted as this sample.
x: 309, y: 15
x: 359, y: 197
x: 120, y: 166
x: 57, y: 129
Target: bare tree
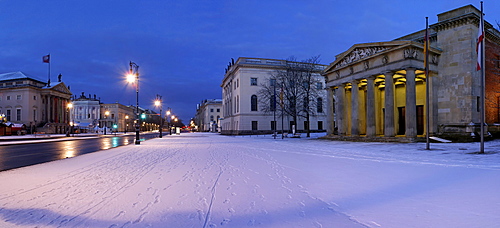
x: 294, y: 86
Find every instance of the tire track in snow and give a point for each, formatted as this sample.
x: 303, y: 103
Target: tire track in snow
x: 214, y: 187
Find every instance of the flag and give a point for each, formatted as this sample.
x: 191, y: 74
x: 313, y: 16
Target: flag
x: 480, y: 43
x: 46, y: 58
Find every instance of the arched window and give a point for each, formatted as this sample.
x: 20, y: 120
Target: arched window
x: 319, y: 105
x: 253, y: 103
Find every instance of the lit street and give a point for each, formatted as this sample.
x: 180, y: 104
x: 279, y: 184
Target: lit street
x: 20, y: 155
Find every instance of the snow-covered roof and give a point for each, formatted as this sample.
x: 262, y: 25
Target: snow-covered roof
x: 18, y: 75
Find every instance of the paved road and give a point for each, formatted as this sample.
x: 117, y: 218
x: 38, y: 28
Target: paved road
x: 20, y: 155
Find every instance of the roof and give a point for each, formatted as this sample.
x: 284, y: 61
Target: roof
x: 18, y: 75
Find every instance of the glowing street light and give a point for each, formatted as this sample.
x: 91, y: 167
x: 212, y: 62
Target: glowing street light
x: 133, y: 77
x: 168, y: 122
x: 158, y: 104
x: 69, y: 106
x: 106, y: 114
x: 126, y: 123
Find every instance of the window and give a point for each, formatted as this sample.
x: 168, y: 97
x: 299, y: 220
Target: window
x: 319, y: 105
x: 34, y: 98
x: 18, y: 114
x: 273, y: 125
x: 18, y: 97
x: 320, y: 125
x: 253, y: 101
x: 211, y: 110
x: 306, y: 125
x: 34, y: 114
x: 8, y: 114
x: 292, y: 125
x: 8, y: 98
x: 272, y: 103
x: 273, y: 82
x: 292, y: 103
x: 112, y: 116
x: 254, y: 125
x: 319, y: 85
x: 211, y: 118
x: 218, y: 110
x: 253, y: 81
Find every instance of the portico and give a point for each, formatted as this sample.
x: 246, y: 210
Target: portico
x: 378, y: 89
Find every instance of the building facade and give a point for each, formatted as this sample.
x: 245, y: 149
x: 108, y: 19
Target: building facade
x: 379, y: 89
x: 28, y: 100
x: 243, y: 108
x: 85, y: 112
x: 117, y: 114
x: 208, y: 114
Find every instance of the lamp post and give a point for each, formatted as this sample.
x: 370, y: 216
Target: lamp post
x: 158, y: 104
x: 69, y: 106
x: 133, y: 76
x: 106, y: 114
x: 126, y: 123
x: 172, y: 119
x: 168, y: 122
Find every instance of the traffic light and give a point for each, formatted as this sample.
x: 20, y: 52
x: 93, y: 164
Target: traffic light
x: 143, y: 116
x: 115, y: 126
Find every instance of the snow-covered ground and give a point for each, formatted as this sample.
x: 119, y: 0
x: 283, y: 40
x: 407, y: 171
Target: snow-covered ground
x: 208, y: 180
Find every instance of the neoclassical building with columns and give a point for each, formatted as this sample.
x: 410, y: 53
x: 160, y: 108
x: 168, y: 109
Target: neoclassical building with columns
x: 378, y: 90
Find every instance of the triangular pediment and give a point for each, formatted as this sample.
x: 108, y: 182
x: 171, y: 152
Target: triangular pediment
x: 359, y: 52
x: 60, y: 87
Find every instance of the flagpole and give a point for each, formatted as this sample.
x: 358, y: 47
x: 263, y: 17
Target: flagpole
x: 427, y: 108
x: 49, y: 74
x: 483, y: 66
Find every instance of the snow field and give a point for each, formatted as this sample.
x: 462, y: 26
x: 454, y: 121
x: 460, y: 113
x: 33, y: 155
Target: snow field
x: 208, y: 180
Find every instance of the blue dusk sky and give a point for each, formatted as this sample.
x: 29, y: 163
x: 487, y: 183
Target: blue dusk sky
x: 183, y: 47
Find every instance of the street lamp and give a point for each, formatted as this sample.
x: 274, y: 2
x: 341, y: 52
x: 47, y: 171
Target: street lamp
x: 106, y: 114
x: 168, y: 122
x: 172, y: 119
x: 126, y: 123
x: 69, y: 106
x: 158, y: 104
x: 133, y: 76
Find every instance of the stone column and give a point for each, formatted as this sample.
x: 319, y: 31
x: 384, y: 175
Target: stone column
x: 51, y: 108
x: 411, y: 104
x: 389, y: 105
x: 354, y: 108
x: 340, y: 94
x: 330, y: 122
x: 370, y: 107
